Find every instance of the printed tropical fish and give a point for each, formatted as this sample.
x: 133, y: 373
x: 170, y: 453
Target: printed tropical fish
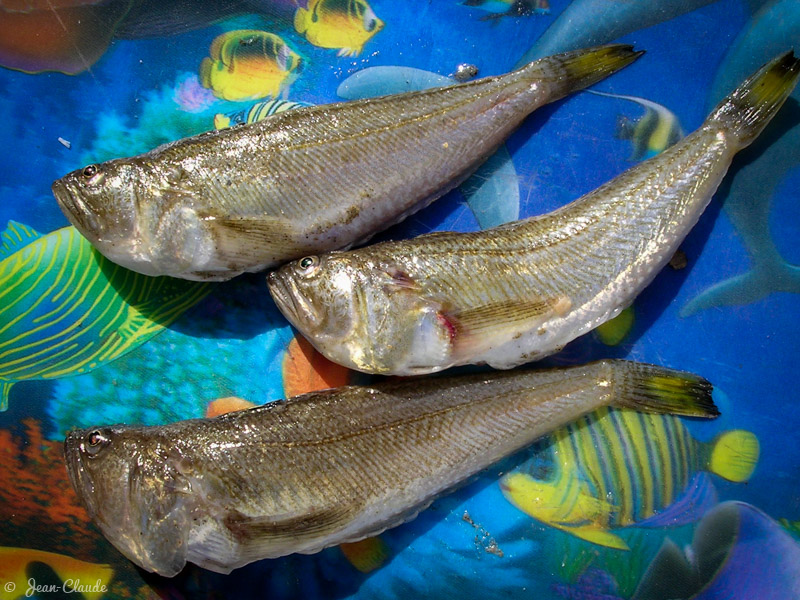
x: 248, y: 64
x: 71, y: 35
x: 257, y: 112
x: 762, y: 173
x: 65, y: 309
x: 616, y: 468
x: 654, y: 132
x: 343, y: 24
x: 15, y: 562
x: 737, y: 553
x: 510, y: 8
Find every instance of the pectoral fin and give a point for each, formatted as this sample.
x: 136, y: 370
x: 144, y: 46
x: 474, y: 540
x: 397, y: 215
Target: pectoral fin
x: 252, y: 240
x: 478, y: 329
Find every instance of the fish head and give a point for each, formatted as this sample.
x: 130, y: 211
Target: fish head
x: 360, y: 311
x: 318, y: 295
x: 102, y: 202
x: 132, y: 487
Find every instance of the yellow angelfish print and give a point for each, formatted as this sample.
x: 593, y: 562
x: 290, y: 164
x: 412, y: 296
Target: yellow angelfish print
x: 616, y: 468
x: 248, y: 64
x: 343, y: 24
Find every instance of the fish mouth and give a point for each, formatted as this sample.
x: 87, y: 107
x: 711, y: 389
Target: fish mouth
x: 73, y: 445
x: 74, y: 208
x: 289, y: 300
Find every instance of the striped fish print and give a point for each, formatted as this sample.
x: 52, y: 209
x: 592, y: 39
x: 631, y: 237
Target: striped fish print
x: 617, y: 468
x: 258, y: 112
x: 65, y: 309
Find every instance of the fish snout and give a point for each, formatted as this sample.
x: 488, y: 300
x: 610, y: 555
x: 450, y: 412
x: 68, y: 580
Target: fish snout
x: 74, y: 208
x: 77, y: 475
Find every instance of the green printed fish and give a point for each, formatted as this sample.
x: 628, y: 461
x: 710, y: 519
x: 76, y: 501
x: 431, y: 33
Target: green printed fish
x: 618, y: 468
x: 65, y: 309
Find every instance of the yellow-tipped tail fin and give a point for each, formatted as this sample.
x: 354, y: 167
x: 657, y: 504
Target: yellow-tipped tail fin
x: 748, y: 109
x: 734, y: 455
x: 300, y: 20
x: 573, y: 71
x: 649, y: 388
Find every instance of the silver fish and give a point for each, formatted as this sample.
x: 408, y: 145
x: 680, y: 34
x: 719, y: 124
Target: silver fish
x: 335, y: 466
x: 308, y: 180
x: 522, y: 290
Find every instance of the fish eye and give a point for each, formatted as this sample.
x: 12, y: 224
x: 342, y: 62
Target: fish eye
x: 96, y: 441
x: 371, y: 25
x: 309, y: 264
x: 89, y: 171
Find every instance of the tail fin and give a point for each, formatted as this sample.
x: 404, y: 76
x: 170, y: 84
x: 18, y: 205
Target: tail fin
x: 748, y: 109
x: 573, y: 71
x: 734, y: 455
x: 648, y: 388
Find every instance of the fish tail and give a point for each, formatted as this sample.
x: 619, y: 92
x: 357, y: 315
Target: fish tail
x: 573, y: 71
x: 300, y: 20
x: 734, y: 455
x: 649, y: 388
x: 748, y: 109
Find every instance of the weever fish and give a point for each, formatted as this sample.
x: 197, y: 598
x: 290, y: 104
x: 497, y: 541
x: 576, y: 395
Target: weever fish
x: 334, y: 466
x: 308, y: 180
x: 523, y: 290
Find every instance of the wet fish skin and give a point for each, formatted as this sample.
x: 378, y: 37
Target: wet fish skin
x: 309, y: 180
x: 334, y: 466
x: 523, y: 290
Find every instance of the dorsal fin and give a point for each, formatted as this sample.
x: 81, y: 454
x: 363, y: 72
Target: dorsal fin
x: 15, y: 237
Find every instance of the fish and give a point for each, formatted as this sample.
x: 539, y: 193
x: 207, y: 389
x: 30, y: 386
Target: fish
x: 738, y: 552
x: 257, y: 112
x: 344, y: 24
x: 510, y: 8
x: 651, y: 134
x: 521, y: 291
x: 311, y: 179
x: 618, y: 468
x: 89, y: 578
x: 67, y: 310
x: 299, y: 475
x: 248, y: 64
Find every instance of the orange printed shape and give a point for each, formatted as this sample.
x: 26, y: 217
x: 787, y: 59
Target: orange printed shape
x: 306, y: 370
x: 225, y: 405
x: 366, y: 555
